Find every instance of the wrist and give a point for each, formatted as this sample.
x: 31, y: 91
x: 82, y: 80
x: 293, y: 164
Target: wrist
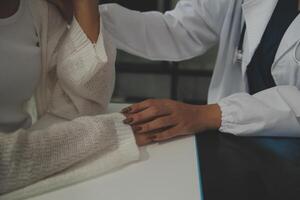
x: 211, y: 116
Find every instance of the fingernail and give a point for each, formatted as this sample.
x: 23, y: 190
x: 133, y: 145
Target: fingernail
x: 128, y: 121
x: 137, y: 129
x: 126, y: 110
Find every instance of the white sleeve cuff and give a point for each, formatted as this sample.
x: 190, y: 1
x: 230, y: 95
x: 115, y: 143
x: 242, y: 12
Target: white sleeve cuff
x: 240, y: 116
x: 246, y: 115
x: 81, y: 41
x: 127, y: 146
x: 79, y: 58
x: 228, y: 119
x: 271, y: 112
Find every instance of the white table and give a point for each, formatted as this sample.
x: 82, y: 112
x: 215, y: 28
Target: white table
x: 168, y: 172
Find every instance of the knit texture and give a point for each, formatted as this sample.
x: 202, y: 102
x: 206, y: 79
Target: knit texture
x: 109, y: 149
x: 76, y: 86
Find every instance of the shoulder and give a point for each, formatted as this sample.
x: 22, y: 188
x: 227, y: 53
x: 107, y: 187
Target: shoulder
x: 215, y: 12
x: 205, y: 8
x: 217, y: 6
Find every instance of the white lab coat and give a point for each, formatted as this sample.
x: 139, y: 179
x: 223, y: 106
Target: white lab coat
x: 196, y: 25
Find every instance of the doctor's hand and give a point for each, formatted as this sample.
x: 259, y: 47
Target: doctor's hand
x: 160, y: 120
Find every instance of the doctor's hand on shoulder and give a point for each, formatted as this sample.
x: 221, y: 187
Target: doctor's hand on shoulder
x: 86, y: 13
x: 161, y: 120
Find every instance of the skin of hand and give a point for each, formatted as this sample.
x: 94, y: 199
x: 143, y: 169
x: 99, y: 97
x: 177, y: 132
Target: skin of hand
x: 86, y: 13
x: 161, y: 120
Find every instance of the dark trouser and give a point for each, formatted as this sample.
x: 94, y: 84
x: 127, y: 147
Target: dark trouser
x: 249, y: 168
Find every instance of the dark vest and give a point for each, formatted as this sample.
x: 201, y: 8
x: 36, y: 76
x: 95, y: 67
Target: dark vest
x: 259, y: 70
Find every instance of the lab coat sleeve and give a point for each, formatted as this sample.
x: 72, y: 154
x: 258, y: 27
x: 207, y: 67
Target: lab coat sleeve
x: 185, y: 32
x: 273, y: 112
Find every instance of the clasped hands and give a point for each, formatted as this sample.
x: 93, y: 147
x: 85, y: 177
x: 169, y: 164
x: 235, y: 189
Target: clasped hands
x: 161, y: 120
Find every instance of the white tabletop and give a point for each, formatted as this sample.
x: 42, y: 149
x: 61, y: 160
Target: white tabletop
x: 168, y: 172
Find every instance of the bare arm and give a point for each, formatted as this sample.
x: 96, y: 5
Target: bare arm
x: 87, y: 15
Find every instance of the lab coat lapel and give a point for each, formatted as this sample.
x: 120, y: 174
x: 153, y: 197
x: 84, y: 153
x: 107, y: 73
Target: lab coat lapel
x: 257, y: 14
x: 291, y: 37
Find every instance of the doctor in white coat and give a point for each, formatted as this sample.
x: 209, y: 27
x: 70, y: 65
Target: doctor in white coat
x: 190, y: 30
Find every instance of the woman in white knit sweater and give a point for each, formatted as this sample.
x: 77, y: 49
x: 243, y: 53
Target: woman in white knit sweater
x: 56, y: 79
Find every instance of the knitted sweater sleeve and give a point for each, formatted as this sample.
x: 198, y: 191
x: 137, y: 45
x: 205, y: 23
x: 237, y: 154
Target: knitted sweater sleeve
x: 81, y: 73
x: 29, y: 156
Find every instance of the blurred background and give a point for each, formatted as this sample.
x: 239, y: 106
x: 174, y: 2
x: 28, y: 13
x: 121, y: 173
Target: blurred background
x: 139, y: 79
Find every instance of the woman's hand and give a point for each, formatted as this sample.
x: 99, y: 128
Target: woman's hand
x: 160, y: 120
x: 86, y: 13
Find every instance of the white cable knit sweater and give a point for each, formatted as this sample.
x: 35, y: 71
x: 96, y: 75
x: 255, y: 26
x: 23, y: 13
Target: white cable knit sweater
x: 75, y: 87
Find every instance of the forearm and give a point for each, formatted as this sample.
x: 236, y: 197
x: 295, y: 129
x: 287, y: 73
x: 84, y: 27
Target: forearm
x: 210, y: 116
x: 87, y: 15
x: 158, y: 36
x: 29, y: 156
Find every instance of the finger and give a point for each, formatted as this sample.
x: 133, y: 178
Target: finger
x: 165, y: 135
x: 143, y: 139
x: 146, y: 115
x: 126, y: 115
x: 154, y: 125
x: 138, y: 106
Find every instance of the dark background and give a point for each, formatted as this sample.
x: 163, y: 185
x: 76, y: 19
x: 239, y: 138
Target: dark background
x: 249, y: 168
